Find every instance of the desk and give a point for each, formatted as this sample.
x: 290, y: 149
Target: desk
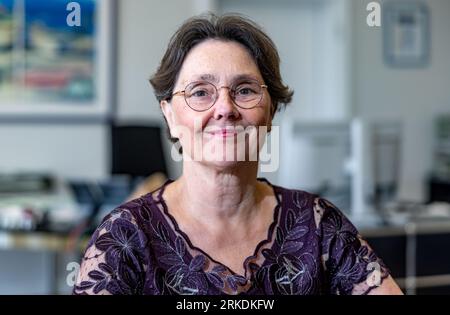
x: 33, y: 260
x: 57, y: 208
x: 44, y: 241
x: 416, y: 253
x: 51, y: 254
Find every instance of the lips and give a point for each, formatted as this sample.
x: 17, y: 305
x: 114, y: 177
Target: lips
x: 223, y: 132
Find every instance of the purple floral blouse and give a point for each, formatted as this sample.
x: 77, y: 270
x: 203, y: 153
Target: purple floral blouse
x: 311, y: 248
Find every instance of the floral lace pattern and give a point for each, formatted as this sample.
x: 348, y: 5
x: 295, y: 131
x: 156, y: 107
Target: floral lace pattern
x: 311, y: 248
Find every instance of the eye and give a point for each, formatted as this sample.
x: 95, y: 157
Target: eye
x: 199, y: 93
x: 247, y: 89
x: 201, y: 90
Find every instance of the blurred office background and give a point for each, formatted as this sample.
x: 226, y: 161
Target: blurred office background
x: 80, y: 128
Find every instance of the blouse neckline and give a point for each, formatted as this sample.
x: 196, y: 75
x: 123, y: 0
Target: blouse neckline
x: 268, y: 239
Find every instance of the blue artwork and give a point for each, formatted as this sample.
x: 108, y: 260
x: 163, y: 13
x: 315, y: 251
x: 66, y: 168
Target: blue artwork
x: 42, y: 58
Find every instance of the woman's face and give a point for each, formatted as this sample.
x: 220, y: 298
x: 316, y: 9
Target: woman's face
x: 223, y: 134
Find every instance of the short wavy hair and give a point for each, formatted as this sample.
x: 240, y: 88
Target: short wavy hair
x: 228, y: 27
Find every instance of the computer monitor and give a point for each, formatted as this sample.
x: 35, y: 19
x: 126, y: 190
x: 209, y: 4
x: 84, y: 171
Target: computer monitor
x: 137, y: 150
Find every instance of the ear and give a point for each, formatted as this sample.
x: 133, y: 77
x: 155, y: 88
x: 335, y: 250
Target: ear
x: 272, y: 115
x: 168, y: 113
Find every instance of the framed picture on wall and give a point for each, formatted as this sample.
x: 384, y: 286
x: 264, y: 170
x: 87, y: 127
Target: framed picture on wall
x: 55, y: 58
x: 406, y: 34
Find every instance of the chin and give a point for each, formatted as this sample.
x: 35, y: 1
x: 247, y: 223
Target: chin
x: 226, y: 165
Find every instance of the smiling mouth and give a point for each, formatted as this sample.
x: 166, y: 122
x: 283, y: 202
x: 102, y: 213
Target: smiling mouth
x: 223, y: 133
x: 228, y: 131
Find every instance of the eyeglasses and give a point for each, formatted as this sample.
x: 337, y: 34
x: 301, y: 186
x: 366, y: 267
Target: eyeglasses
x: 202, y: 95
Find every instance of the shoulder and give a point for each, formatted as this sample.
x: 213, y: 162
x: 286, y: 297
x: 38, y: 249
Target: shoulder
x: 139, y: 210
x: 116, y: 257
x: 118, y: 227
x: 127, y: 220
x: 318, y: 208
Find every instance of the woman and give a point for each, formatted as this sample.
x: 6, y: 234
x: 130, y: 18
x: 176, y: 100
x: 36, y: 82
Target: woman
x: 219, y: 229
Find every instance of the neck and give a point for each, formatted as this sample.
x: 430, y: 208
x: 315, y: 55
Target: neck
x: 216, y: 195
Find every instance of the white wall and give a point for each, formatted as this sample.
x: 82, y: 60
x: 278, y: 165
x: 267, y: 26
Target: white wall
x: 144, y: 31
x: 413, y: 97
x: 71, y: 150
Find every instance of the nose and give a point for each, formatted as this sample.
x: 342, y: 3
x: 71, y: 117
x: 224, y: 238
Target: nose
x: 224, y: 106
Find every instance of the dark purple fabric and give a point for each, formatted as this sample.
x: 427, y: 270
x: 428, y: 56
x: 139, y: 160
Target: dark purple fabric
x: 311, y: 248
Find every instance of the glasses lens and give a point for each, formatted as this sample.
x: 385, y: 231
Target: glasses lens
x: 200, y: 95
x: 247, y: 94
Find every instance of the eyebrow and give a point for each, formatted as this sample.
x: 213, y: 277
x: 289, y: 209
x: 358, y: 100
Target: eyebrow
x: 245, y: 77
x: 212, y: 78
x: 206, y: 77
